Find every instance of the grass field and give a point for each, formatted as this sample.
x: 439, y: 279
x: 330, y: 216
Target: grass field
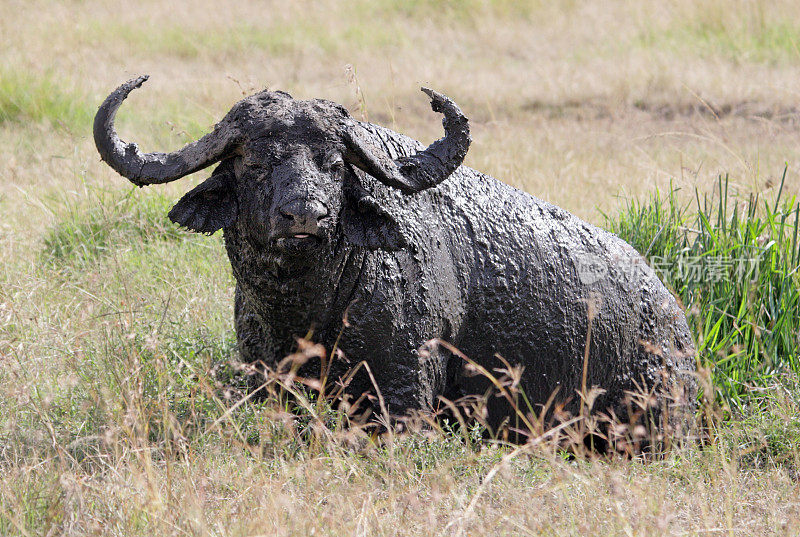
x: 116, y: 327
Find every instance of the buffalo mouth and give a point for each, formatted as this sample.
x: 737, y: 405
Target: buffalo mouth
x: 297, y: 241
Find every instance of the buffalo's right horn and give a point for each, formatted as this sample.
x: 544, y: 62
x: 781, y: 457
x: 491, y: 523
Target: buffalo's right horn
x: 154, y: 168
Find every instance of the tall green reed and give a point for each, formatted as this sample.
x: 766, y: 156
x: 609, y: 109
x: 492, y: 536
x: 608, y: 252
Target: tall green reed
x: 734, y: 264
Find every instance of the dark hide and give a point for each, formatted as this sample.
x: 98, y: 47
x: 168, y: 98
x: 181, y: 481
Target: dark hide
x: 324, y: 216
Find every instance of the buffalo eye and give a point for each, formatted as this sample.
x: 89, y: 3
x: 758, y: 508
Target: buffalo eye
x: 334, y: 163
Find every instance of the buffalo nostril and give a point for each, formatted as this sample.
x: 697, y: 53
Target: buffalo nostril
x: 321, y: 214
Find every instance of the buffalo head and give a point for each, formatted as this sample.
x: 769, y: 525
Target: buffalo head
x: 286, y: 179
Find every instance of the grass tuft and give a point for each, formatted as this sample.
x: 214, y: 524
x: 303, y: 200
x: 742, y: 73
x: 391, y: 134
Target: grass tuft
x: 734, y: 264
x: 84, y: 234
x: 28, y: 98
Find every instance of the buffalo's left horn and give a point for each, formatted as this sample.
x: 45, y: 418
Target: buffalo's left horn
x: 424, y: 169
x: 153, y: 168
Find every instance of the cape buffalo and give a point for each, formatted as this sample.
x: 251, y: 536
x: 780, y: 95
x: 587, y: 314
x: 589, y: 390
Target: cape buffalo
x: 378, y: 245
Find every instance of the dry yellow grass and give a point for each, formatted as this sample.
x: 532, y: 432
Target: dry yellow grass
x: 577, y: 102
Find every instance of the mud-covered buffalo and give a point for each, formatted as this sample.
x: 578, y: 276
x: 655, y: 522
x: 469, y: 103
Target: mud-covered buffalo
x: 325, y: 218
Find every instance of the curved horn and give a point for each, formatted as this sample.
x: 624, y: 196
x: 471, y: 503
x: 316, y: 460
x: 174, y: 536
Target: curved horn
x: 422, y: 170
x: 154, y: 168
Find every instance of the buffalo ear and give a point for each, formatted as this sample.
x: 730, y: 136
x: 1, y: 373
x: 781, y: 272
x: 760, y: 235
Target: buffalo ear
x: 367, y: 224
x: 211, y: 205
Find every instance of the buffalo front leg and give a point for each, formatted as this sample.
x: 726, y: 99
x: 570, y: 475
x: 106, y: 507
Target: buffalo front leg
x: 255, y: 343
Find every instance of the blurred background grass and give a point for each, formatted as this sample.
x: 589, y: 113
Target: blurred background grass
x: 114, y: 326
